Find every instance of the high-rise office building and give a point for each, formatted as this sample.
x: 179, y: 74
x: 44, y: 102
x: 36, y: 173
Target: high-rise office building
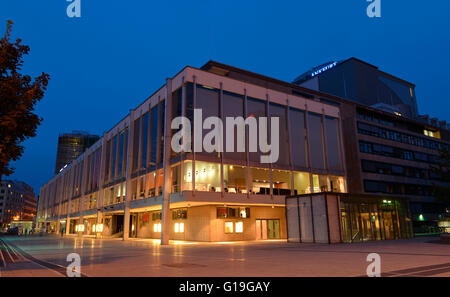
x: 71, y: 146
x: 17, y: 203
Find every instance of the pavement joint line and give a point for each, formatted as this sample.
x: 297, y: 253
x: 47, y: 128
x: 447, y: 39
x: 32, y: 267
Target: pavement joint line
x: 6, y: 250
x: 3, y: 261
x: 51, y: 266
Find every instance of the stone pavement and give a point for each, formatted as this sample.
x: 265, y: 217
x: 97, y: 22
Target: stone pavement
x: 46, y: 256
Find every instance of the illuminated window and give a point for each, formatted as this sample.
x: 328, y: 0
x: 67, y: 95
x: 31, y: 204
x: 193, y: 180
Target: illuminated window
x: 179, y: 227
x: 239, y: 227
x: 431, y: 133
x: 228, y: 227
x: 157, y: 227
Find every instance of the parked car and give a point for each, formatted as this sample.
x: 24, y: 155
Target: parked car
x: 13, y: 231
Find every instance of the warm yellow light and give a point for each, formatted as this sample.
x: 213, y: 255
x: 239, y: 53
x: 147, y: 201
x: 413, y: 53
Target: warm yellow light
x: 93, y: 228
x: 159, y: 227
x: 239, y: 227
x: 99, y: 228
x: 228, y: 227
x: 179, y: 227
x: 79, y: 228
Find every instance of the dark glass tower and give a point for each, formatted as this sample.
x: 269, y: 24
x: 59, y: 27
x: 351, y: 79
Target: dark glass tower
x: 72, y: 145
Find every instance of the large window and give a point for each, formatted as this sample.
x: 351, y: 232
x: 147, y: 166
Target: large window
x: 337, y: 184
x: 120, y: 168
x: 302, y: 183
x: 320, y: 183
x: 114, y: 157
x: 297, y: 126
x: 208, y: 102
x: 259, y: 180
x: 207, y: 177
x: 255, y: 108
x: 136, y: 137
x: 281, y: 182
x: 151, y: 184
x: 315, y: 140
x: 333, y: 149
x: 144, y: 147
x: 161, y: 122
x: 233, y: 106
x: 175, y: 178
x: 187, y: 176
x: 277, y: 110
x: 234, y: 179
x: 154, y: 135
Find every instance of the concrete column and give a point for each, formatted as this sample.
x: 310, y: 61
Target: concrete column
x: 247, y: 153
x: 183, y: 153
x: 311, y: 186
x: 290, y: 148
x: 58, y: 201
x: 83, y: 178
x: 101, y: 178
x: 269, y: 133
x: 126, y: 212
x: 165, y: 226
x: 69, y: 202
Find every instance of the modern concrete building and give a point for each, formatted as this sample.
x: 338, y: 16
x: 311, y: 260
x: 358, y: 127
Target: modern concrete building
x: 72, y: 145
x: 17, y: 203
x: 131, y: 183
x: 389, y: 149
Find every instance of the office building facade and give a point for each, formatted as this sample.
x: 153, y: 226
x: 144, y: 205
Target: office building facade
x: 17, y: 203
x: 72, y: 145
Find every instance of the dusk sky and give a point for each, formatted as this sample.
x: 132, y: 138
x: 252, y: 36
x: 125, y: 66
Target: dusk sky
x: 120, y: 52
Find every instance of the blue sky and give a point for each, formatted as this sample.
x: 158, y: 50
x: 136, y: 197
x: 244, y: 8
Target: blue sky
x: 119, y: 52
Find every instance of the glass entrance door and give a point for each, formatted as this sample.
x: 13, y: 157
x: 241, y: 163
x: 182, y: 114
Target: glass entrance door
x: 267, y: 229
x: 273, y: 228
x: 133, y: 225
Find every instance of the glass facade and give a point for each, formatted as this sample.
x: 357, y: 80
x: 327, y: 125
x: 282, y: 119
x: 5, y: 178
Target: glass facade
x: 365, y: 219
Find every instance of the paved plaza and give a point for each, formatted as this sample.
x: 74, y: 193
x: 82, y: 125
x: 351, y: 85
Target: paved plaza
x: 46, y: 256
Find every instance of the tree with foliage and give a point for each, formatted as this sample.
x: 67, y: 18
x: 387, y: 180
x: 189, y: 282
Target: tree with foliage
x: 442, y: 170
x: 18, y: 97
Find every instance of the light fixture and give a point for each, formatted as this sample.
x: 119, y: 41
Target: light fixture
x: 99, y: 228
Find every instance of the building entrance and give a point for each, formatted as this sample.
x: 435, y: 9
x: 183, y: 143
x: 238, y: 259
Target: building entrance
x: 267, y: 229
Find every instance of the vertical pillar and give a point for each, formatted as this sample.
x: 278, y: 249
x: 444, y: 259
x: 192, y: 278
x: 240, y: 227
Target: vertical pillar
x: 183, y: 153
x: 325, y: 153
x: 222, y: 149
x: 247, y: 145
x: 101, y: 179
x: 194, y: 101
x: 311, y: 180
x: 291, y: 161
x: 165, y: 226
x: 83, y: 178
x: 269, y: 133
x: 129, y: 158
